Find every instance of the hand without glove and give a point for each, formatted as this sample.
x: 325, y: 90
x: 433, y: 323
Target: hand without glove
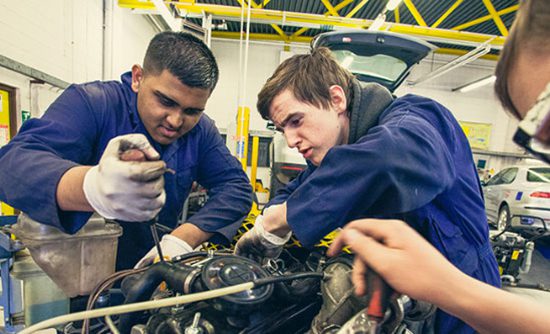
x: 258, y: 244
x: 171, y: 246
x: 126, y: 190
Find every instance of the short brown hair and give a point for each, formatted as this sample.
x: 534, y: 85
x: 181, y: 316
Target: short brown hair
x: 309, y: 78
x: 530, y: 32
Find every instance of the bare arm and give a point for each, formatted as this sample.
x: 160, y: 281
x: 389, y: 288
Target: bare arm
x: 191, y: 234
x: 69, y: 194
x: 395, y: 250
x: 491, y: 310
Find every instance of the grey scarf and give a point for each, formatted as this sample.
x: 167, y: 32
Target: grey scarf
x: 369, y: 101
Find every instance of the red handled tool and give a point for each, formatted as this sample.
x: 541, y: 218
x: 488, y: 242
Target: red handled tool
x: 379, y: 294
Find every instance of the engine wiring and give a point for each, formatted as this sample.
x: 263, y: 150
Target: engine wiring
x: 185, y: 299
x: 110, y: 280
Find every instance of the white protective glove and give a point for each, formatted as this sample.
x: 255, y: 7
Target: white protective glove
x: 127, y: 190
x: 171, y: 246
x: 258, y: 244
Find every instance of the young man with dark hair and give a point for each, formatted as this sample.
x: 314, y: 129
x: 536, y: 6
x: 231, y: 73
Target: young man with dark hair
x: 370, y: 154
x: 63, y: 166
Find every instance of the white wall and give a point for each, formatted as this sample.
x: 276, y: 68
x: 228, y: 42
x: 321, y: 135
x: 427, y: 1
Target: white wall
x: 64, y: 38
x: 263, y: 59
x: 61, y: 38
x: 131, y: 34
x: 479, y: 105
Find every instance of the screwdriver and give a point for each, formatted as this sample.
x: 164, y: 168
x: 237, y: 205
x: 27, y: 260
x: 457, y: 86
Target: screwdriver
x: 134, y: 154
x: 155, y: 234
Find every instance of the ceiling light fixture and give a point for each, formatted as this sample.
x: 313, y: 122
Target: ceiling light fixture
x: 475, y: 84
x: 392, y: 4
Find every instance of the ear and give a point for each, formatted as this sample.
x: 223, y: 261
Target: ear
x: 137, y: 77
x: 338, y: 98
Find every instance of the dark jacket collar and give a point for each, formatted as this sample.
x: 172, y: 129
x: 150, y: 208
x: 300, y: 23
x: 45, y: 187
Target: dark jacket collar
x: 369, y: 101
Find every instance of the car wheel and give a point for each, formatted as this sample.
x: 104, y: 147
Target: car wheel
x: 503, y: 218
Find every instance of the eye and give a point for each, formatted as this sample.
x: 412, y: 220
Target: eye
x: 295, y: 121
x: 192, y: 111
x: 166, y: 102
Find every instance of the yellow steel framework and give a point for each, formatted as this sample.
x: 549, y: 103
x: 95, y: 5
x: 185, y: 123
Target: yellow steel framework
x: 447, y: 13
x: 415, y: 13
x: 482, y: 19
x: 496, y: 17
x: 332, y: 17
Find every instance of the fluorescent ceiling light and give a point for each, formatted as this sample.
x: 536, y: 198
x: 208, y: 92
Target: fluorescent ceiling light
x: 392, y: 4
x: 476, y: 84
x: 378, y: 22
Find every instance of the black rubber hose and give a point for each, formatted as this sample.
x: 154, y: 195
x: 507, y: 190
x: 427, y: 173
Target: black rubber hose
x: 270, y: 280
x: 143, y: 287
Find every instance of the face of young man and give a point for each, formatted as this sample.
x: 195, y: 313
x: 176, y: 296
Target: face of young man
x: 168, y: 108
x: 312, y: 130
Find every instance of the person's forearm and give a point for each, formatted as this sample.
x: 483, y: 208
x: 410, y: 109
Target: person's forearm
x: 69, y: 194
x: 191, y: 234
x: 275, y: 220
x: 491, y: 310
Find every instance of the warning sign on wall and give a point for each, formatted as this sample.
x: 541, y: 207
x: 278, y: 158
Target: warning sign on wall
x: 478, y: 134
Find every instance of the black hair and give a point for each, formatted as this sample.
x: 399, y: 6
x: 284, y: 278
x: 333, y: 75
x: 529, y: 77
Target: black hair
x: 184, y: 56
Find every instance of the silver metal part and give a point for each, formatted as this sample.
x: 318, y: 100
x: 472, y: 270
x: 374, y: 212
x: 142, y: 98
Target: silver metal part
x: 138, y: 329
x: 194, y: 328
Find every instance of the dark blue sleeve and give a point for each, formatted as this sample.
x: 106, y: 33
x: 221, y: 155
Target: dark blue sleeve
x: 229, y: 191
x: 33, y: 162
x: 395, y: 168
x: 283, y: 193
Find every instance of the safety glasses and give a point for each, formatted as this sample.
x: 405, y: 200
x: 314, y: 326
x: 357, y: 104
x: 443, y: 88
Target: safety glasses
x: 533, y: 131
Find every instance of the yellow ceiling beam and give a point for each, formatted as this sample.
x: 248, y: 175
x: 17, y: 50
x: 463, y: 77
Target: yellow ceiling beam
x: 307, y: 40
x: 415, y: 13
x: 496, y: 17
x: 427, y: 32
x: 339, y: 6
x: 329, y: 7
x: 485, y: 18
x: 321, y: 20
x: 273, y: 25
x: 396, y: 15
x: 447, y: 13
x: 299, y: 32
x: 280, y: 31
x: 258, y: 36
x: 356, y: 8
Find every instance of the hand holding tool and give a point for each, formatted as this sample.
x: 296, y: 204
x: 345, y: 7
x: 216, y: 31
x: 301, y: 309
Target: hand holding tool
x: 127, y: 190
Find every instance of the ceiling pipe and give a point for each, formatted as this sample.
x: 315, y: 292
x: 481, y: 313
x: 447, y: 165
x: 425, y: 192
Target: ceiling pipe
x: 456, y: 63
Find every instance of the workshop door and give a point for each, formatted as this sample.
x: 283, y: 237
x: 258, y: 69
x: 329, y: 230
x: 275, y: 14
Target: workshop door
x: 5, y: 134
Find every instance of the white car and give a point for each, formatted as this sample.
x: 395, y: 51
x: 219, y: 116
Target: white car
x: 522, y: 192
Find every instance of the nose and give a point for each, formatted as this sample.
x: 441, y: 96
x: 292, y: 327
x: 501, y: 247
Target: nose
x: 175, y: 119
x: 292, y: 138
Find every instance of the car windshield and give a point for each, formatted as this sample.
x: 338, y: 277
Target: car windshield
x: 378, y: 66
x: 538, y: 175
